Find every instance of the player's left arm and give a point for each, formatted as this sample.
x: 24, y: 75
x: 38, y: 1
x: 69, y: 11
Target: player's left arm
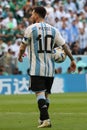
x: 68, y: 52
x: 21, y: 51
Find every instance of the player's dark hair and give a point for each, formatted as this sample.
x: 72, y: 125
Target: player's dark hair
x: 40, y: 10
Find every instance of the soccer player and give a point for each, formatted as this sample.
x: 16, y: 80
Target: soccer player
x: 42, y: 37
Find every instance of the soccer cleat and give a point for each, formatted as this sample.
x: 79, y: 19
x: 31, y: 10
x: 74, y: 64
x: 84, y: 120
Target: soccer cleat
x: 46, y: 123
x: 40, y: 122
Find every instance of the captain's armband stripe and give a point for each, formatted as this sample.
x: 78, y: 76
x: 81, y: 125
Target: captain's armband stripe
x: 25, y: 40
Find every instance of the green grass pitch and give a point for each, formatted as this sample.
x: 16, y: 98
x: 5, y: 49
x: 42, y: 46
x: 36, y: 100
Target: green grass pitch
x: 68, y: 111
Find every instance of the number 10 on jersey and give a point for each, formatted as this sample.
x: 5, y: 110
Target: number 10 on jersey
x: 45, y: 44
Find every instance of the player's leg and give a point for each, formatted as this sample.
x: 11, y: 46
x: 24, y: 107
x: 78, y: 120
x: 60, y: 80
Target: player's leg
x: 41, y: 100
x: 47, y: 99
x: 44, y: 115
x: 48, y: 84
x: 38, y: 86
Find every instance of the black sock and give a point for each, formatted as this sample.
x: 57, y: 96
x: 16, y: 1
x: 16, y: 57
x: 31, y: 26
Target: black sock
x: 47, y: 103
x: 43, y: 109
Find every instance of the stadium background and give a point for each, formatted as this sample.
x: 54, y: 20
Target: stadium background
x: 69, y: 16
x: 69, y: 99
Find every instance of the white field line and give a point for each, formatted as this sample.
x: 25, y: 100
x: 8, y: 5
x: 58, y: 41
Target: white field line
x: 72, y: 113
x: 18, y: 113
x: 28, y: 113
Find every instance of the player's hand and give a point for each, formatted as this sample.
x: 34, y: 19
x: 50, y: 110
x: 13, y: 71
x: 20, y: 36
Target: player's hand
x: 73, y: 66
x: 20, y: 59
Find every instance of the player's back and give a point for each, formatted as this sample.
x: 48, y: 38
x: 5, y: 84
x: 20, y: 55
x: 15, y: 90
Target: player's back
x: 42, y: 41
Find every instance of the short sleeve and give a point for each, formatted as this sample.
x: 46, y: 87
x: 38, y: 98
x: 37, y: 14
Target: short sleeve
x: 59, y: 40
x: 27, y: 36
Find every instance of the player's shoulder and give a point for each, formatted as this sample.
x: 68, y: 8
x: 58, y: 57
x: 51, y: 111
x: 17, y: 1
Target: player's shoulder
x: 33, y: 27
x: 52, y: 27
x: 30, y: 27
x: 37, y: 25
x: 47, y: 24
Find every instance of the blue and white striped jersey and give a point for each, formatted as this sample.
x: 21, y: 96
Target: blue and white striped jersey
x: 41, y: 38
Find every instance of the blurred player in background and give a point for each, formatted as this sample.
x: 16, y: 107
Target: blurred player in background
x: 42, y: 37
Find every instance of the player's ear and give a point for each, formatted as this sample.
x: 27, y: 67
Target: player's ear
x: 37, y: 16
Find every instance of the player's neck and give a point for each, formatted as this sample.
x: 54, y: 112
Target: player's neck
x: 40, y: 20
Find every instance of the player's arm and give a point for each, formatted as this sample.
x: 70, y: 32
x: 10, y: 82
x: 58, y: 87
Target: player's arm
x: 25, y: 42
x: 68, y: 52
x: 21, y: 51
x: 59, y: 40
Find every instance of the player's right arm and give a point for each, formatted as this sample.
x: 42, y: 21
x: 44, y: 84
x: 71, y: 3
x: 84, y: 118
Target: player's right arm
x: 68, y: 52
x: 61, y: 42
